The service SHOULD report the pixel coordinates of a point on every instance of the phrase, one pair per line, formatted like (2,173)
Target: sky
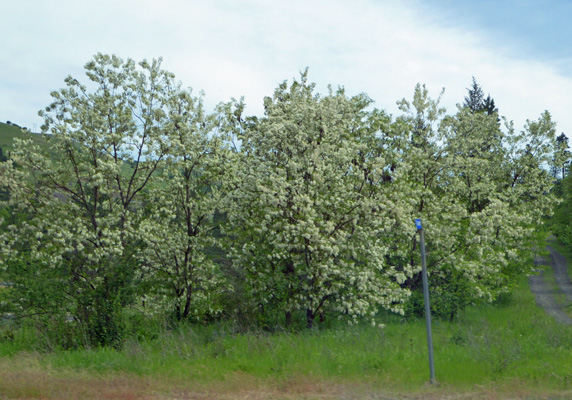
(520,52)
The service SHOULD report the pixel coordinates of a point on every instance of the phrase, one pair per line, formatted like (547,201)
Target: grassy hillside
(9,132)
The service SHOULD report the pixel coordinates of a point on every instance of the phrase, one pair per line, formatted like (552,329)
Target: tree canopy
(142,205)
(312,206)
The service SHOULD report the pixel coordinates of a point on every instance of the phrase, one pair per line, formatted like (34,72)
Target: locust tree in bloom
(83,194)
(503,182)
(480,192)
(312,211)
(178,232)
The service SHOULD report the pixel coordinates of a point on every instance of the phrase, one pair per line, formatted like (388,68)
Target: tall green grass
(511,340)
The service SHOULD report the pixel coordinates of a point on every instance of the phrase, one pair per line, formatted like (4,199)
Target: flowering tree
(178,232)
(83,193)
(311,212)
(481,193)
(320,197)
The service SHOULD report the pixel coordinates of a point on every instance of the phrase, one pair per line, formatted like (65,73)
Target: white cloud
(231,49)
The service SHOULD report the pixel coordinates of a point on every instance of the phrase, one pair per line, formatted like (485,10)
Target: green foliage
(476,98)
(561,159)
(514,342)
(310,212)
(91,246)
(481,193)
(476,102)
(179,231)
(139,207)
(561,221)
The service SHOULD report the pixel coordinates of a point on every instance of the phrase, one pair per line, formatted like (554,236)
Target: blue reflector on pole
(418,223)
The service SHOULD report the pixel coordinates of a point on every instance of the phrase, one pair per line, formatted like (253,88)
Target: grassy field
(511,350)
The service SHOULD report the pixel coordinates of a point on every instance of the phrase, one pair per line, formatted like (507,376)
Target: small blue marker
(418,223)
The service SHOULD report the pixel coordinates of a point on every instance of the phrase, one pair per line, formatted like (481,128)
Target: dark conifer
(475,100)
(2,156)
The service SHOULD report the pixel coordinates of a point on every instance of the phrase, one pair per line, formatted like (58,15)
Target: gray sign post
(427,304)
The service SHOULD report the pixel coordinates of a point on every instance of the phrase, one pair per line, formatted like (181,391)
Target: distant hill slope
(9,132)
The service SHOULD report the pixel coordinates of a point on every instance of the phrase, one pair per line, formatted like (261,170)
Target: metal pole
(427,304)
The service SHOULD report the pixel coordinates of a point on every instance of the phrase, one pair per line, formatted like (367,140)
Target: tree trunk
(309,318)
(187,309)
(288,315)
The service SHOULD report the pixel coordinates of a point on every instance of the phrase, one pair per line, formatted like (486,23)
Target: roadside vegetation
(510,349)
(145,235)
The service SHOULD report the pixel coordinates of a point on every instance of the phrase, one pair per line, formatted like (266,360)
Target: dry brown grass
(24,378)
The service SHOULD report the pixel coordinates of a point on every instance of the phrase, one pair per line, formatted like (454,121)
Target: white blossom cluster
(312,209)
(126,191)
(481,192)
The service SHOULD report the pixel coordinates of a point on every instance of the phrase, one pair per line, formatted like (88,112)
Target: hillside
(9,132)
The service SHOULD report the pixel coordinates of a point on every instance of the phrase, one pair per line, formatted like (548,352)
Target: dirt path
(544,290)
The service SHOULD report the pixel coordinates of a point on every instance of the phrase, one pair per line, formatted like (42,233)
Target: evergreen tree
(561,159)
(489,106)
(475,100)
